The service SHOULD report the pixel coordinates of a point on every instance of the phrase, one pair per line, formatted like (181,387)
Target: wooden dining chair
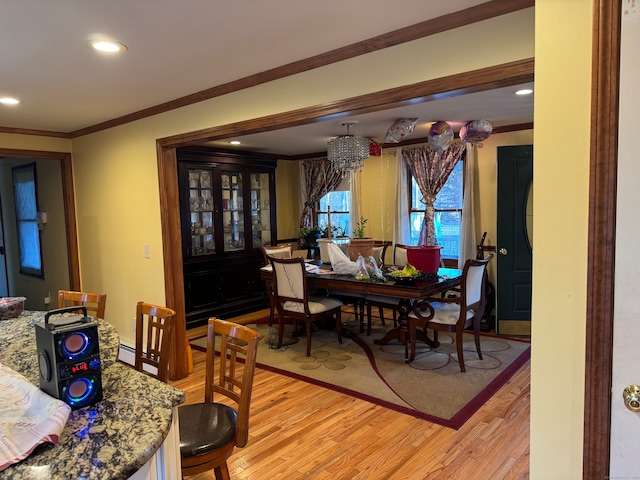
(380,250)
(210,431)
(278,251)
(293,301)
(453,314)
(154,332)
(94,302)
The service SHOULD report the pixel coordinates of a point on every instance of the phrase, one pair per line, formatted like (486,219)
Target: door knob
(631,395)
(503,251)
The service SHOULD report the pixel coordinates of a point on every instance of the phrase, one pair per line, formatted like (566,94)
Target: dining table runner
(28,417)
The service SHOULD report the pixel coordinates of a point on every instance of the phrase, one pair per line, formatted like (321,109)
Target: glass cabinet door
(201,211)
(232,211)
(260,209)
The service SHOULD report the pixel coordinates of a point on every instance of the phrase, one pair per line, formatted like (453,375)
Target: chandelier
(346,152)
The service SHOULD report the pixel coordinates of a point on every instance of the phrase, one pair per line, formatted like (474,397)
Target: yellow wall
(32,142)
(561,188)
(287,195)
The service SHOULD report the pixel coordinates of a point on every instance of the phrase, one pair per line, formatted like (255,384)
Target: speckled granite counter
(110,440)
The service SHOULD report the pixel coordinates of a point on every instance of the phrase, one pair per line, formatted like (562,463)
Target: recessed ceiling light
(9,101)
(107,46)
(524,91)
(235,142)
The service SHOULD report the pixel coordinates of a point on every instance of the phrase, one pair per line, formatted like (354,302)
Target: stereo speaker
(69,357)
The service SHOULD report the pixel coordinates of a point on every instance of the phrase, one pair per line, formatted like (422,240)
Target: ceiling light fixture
(524,91)
(107,46)
(346,152)
(9,101)
(235,142)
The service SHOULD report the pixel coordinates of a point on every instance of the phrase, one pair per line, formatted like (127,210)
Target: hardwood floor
(302,431)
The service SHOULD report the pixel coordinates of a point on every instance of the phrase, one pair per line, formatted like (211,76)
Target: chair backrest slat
(95,303)
(154,332)
(238,346)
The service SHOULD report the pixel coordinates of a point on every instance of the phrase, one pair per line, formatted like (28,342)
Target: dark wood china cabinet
(227,211)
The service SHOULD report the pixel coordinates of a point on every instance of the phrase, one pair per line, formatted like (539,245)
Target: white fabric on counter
(28,417)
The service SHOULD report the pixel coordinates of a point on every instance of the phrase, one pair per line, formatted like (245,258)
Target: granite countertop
(111,439)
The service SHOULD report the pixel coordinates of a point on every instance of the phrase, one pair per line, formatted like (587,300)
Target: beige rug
(432,387)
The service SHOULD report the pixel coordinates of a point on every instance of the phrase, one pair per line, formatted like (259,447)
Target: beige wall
(118,210)
(561,200)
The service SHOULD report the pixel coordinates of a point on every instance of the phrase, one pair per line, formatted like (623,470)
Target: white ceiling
(177,48)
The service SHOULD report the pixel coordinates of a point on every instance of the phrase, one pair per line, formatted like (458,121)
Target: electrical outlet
(147,251)
(47,300)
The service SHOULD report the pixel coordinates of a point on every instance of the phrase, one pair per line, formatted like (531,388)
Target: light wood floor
(301,431)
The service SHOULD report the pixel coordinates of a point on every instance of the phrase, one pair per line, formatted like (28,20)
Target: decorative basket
(425,258)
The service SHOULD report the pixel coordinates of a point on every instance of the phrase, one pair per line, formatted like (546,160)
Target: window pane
(25,201)
(450,197)
(339,223)
(339,201)
(29,246)
(416,226)
(448,212)
(448,232)
(416,196)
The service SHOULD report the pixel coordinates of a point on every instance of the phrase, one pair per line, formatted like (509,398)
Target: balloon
(400,129)
(374,148)
(440,136)
(476,131)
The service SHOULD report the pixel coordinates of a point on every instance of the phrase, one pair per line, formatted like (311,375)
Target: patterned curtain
(431,170)
(320,178)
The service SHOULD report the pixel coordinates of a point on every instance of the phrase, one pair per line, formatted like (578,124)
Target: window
(448,212)
(340,202)
(26,205)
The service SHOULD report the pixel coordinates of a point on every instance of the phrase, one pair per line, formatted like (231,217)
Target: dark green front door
(514,237)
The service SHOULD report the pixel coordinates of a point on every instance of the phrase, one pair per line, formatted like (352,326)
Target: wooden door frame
(68,198)
(489,78)
(602,237)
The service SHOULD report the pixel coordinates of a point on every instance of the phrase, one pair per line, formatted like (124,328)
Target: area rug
(432,387)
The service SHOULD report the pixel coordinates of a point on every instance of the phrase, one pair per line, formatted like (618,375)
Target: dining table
(410,293)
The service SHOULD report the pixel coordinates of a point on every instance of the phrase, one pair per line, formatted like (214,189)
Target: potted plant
(360,245)
(310,236)
(359,230)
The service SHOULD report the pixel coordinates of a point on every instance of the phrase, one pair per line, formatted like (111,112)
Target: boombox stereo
(69,357)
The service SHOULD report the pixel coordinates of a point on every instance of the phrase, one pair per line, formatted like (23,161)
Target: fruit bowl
(404,279)
(402,276)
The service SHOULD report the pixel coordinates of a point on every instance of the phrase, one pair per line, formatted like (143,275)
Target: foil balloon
(400,129)
(476,131)
(374,148)
(440,136)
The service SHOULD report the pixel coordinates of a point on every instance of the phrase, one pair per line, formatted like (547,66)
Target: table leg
(401,332)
